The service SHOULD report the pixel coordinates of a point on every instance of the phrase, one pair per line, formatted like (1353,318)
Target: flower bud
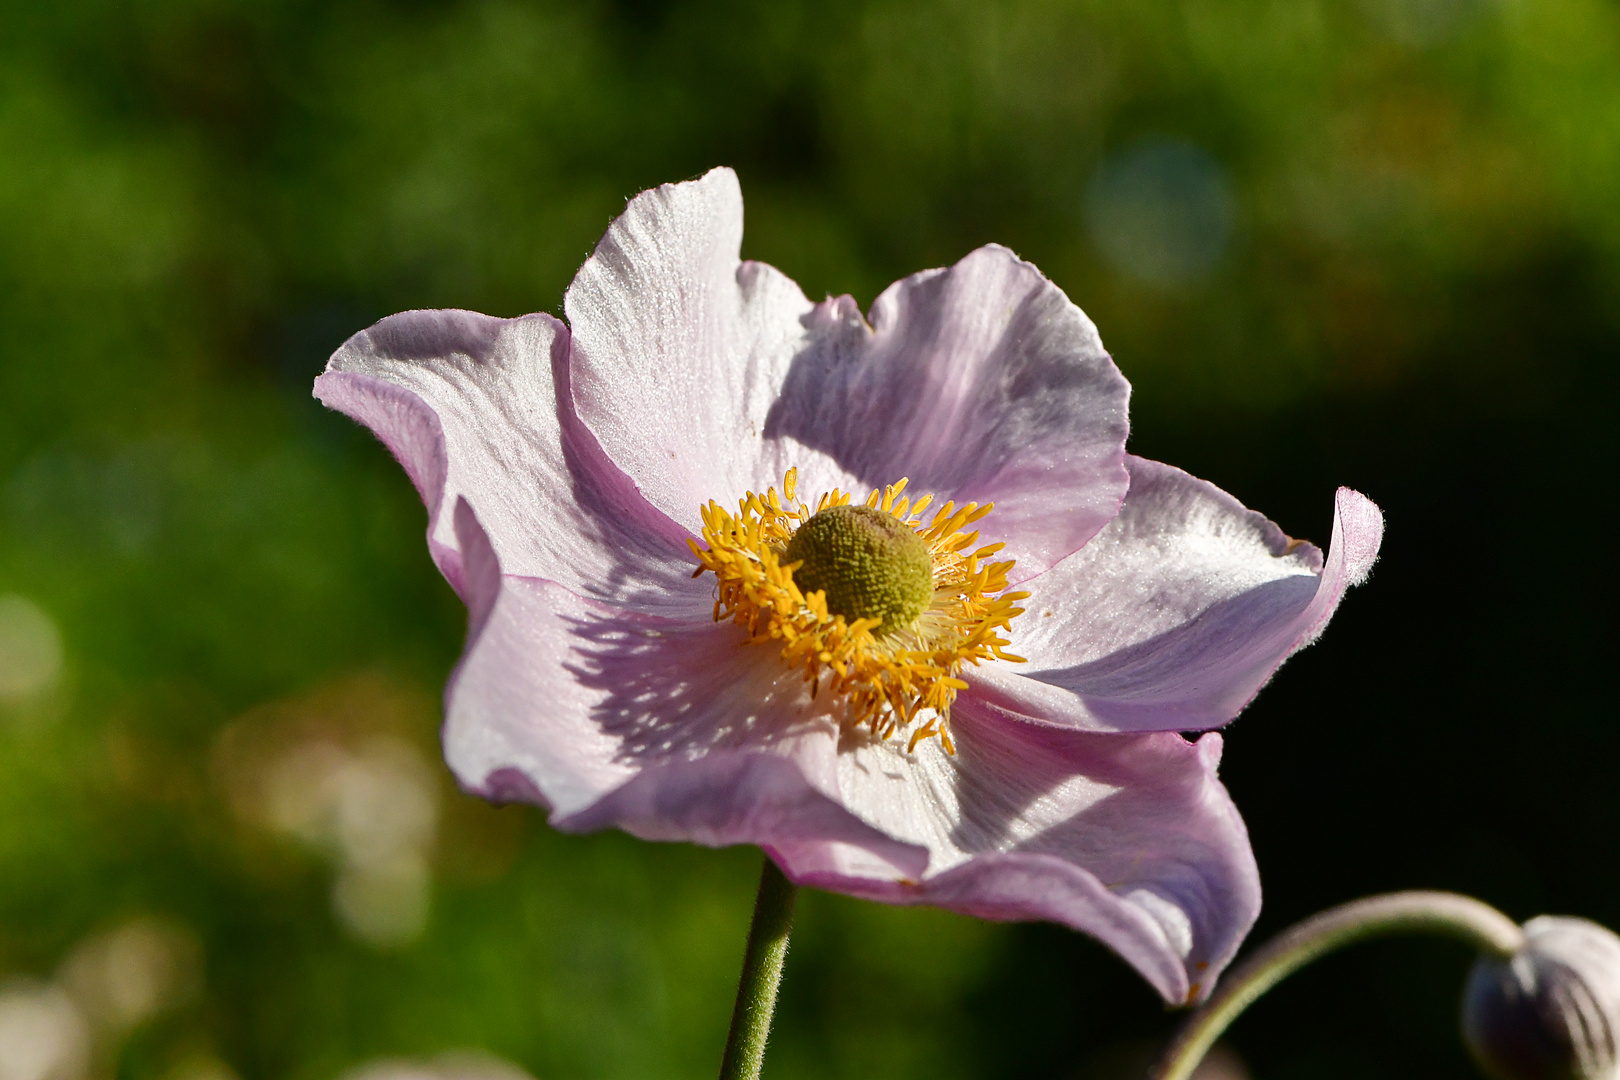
(1551,1011)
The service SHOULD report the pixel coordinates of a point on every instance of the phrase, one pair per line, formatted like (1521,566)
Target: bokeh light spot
(328,772)
(30,649)
(42,1034)
(453,1065)
(133,972)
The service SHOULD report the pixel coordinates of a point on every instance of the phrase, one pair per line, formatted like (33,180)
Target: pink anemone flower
(682,626)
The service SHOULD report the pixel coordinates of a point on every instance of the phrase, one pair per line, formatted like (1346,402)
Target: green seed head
(870,565)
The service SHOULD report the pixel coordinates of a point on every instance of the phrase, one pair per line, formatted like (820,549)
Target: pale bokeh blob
(43,1036)
(30,650)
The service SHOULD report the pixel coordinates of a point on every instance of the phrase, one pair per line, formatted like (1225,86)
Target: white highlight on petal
(1171,919)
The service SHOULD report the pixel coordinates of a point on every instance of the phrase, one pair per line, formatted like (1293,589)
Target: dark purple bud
(1551,1011)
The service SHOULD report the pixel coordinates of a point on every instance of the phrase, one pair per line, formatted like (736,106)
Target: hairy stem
(1445,914)
(761,975)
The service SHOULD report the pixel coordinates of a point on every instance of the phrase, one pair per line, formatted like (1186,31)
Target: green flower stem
(1441,913)
(761,975)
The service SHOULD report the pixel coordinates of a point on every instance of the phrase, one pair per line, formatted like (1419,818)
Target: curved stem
(1446,914)
(761,975)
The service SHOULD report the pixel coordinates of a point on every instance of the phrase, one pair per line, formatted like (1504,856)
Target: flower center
(869,565)
(868,602)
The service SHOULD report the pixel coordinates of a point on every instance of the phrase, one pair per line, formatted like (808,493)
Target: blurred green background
(1374,242)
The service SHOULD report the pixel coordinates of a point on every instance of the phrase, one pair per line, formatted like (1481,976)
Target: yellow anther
(905,679)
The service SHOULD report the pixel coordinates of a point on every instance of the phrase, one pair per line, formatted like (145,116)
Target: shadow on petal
(1129,837)
(724,744)
(685,689)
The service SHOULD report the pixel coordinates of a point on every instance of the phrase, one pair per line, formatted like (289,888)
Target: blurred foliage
(1373,242)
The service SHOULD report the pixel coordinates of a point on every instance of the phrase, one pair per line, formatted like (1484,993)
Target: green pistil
(870,565)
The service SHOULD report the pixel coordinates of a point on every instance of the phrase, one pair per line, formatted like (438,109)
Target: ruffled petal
(671,729)
(1129,838)
(678,730)
(980,382)
(680,349)
(703,377)
(563,472)
(469,404)
(1176,615)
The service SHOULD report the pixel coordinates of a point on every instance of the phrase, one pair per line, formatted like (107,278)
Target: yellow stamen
(907,677)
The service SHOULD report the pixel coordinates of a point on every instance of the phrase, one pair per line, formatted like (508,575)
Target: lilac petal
(680,348)
(1129,838)
(980,382)
(678,729)
(469,404)
(704,376)
(670,729)
(1176,615)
